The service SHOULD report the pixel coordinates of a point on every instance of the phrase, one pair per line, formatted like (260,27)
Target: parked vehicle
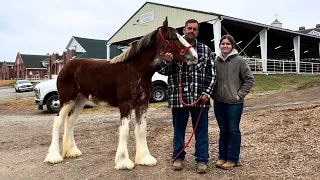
(46,93)
(23,85)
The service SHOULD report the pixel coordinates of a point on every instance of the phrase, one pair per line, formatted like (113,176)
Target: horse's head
(171,41)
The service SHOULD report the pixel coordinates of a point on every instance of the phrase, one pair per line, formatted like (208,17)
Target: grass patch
(25,104)
(7,83)
(281,82)
(158,105)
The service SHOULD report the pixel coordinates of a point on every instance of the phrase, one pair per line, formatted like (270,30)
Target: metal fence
(283,66)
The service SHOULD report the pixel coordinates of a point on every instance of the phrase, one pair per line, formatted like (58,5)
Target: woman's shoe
(228,165)
(219,163)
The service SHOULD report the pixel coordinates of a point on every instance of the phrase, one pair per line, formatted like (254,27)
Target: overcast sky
(42,26)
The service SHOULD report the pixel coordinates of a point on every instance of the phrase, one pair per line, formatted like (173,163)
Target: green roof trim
(33,61)
(95,48)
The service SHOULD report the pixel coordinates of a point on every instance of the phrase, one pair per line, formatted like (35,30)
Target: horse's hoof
(53,158)
(70,153)
(124,164)
(147,160)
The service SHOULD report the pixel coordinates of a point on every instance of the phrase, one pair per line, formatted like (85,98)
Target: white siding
(75,44)
(176,19)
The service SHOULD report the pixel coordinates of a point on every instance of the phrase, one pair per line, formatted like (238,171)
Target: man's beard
(190,40)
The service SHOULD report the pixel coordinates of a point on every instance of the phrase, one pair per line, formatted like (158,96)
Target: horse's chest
(140,87)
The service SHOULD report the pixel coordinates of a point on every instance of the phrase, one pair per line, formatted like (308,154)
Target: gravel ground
(9,94)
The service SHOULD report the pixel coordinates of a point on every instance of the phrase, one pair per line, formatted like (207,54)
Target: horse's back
(89,77)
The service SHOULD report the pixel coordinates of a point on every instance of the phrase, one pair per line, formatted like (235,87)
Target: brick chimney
(51,71)
(302,28)
(318,26)
(64,57)
(54,57)
(73,51)
(70,53)
(57,55)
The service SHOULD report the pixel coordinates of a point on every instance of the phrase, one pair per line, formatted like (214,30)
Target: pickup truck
(46,93)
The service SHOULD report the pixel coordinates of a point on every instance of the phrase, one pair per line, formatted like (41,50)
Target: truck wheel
(159,94)
(53,104)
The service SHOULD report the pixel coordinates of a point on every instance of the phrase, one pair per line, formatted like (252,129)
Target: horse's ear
(165,24)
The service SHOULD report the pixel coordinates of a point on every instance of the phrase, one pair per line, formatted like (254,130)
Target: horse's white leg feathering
(122,156)
(70,148)
(53,155)
(143,156)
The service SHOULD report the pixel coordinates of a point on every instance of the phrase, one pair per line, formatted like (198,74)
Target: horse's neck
(145,62)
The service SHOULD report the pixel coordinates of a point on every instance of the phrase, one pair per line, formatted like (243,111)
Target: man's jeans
(180,118)
(228,117)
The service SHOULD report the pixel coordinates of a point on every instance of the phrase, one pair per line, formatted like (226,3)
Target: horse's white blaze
(70,148)
(53,155)
(122,157)
(186,44)
(142,152)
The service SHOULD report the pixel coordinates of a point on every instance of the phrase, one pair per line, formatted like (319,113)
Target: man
(197,82)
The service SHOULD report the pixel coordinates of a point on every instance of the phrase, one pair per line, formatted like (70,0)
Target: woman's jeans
(228,117)
(180,118)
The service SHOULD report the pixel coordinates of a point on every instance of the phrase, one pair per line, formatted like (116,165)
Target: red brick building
(6,70)
(29,66)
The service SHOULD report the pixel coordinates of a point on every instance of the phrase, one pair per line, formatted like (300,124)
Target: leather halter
(168,44)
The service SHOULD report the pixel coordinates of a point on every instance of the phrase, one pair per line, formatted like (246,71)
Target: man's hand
(168,57)
(204,98)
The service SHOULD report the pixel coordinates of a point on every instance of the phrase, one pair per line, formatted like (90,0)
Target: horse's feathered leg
(53,155)
(143,156)
(122,156)
(70,148)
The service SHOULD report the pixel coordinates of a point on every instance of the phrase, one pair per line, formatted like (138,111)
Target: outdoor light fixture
(139,24)
(277,47)
(258,45)
(292,50)
(306,51)
(211,40)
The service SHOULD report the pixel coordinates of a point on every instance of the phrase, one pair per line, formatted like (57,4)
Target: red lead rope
(180,93)
(196,125)
(182,52)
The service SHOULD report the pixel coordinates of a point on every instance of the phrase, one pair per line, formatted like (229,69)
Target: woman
(234,82)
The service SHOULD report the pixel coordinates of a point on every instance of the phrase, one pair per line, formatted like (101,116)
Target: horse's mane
(134,48)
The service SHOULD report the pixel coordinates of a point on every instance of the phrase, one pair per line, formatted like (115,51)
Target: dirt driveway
(280,134)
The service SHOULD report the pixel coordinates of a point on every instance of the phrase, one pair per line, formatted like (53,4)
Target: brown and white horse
(124,82)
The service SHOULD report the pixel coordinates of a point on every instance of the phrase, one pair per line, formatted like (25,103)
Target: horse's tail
(67,85)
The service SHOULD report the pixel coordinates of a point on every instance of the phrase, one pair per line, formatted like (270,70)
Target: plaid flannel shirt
(196,79)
